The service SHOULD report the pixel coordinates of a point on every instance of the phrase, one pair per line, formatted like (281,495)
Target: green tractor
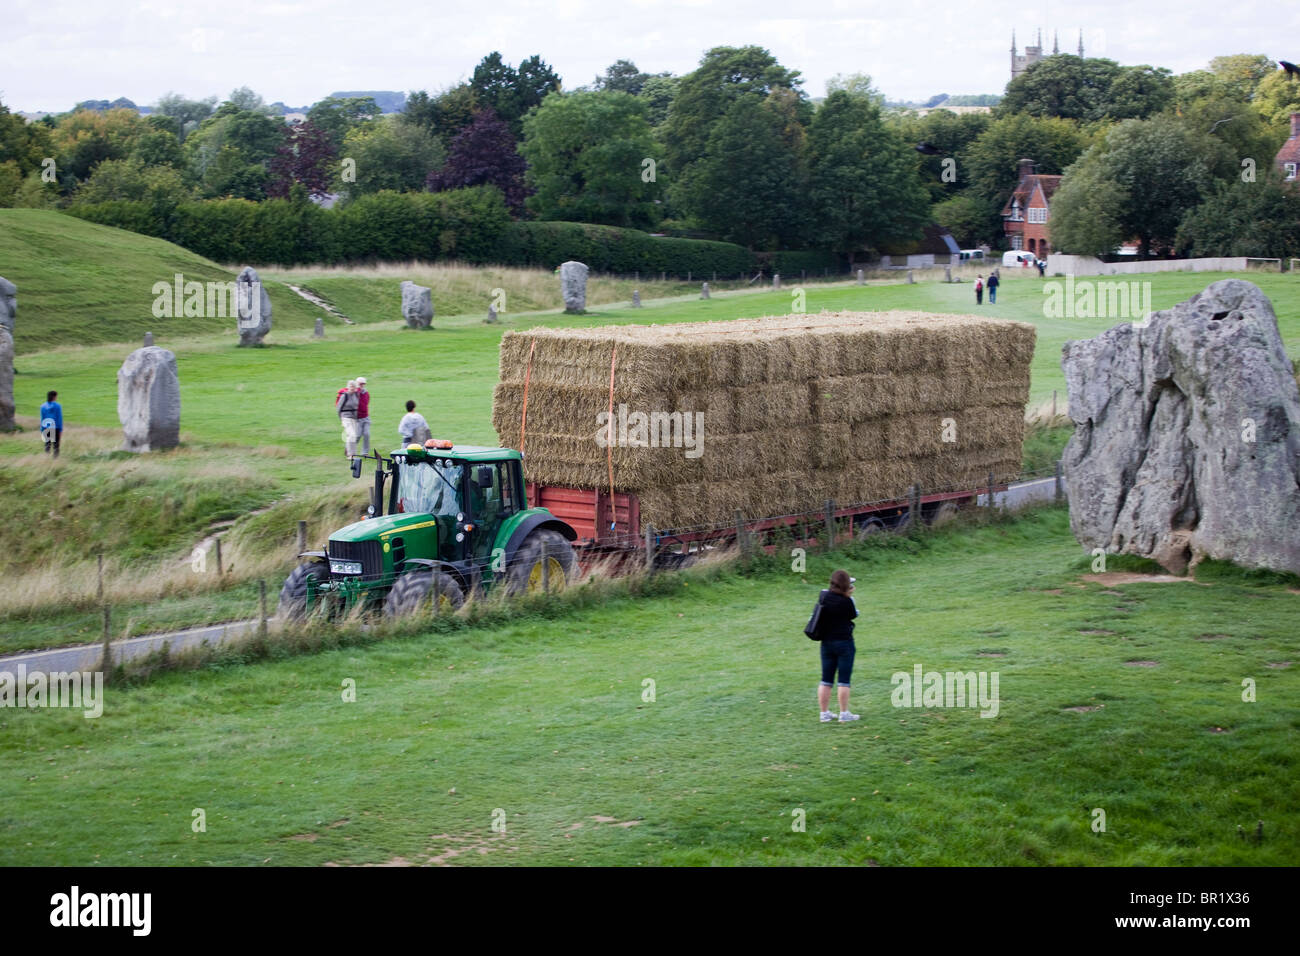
(458,523)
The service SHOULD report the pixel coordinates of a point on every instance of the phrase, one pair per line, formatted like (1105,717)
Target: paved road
(87,657)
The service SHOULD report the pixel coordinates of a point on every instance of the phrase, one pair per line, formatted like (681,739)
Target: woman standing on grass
(835,627)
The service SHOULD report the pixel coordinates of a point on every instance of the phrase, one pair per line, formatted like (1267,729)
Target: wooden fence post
(740,534)
(830,524)
(1060,488)
(218,546)
(990,490)
(649,548)
(106,662)
(302,536)
(261,609)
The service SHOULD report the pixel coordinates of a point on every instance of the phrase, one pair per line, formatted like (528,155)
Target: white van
(1014,258)
(971,255)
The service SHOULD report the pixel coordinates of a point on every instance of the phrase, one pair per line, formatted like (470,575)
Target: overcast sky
(54,53)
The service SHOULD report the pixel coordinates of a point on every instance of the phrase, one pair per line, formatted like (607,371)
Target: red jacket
(363,404)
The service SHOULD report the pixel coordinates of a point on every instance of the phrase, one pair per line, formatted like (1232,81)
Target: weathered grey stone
(573,286)
(910,279)
(149,400)
(862,280)
(319,331)
(636,299)
(776,280)
(947,273)
(492,314)
(6,380)
(8,304)
(417,305)
(704,291)
(1187,435)
(254,307)
(148,339)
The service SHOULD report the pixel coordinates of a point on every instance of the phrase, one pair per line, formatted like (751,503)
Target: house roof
(1024,190)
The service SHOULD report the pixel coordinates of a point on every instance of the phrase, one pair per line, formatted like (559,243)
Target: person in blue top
(52,422)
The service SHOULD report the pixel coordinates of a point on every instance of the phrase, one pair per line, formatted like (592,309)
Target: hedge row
(471,225)
(465,224)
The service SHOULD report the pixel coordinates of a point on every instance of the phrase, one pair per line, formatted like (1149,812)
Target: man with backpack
(979,290)
(346,404)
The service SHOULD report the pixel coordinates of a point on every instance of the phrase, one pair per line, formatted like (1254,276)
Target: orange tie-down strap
(523,421)
(609,444)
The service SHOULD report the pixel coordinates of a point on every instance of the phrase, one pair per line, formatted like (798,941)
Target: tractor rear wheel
(528,573)
(413,591)
(293,595)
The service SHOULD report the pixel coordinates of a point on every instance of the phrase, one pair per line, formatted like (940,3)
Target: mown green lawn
(549,722)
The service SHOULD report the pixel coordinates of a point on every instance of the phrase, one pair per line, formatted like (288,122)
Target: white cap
(361,381)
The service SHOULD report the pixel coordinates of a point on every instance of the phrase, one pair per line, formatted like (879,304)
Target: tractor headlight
(344,567)
(460,535)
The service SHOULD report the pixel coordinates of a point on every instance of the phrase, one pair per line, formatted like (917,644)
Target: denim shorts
(837,656)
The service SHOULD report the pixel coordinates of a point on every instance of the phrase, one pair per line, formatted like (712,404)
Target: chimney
(1295,125)
(1026,166)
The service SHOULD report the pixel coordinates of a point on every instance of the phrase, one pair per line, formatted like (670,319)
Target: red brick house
(1026,212)
(1288,157)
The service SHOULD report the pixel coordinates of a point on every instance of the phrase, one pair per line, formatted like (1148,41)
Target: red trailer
(610,527)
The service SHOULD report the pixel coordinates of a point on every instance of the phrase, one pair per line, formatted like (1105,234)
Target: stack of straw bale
(796,409)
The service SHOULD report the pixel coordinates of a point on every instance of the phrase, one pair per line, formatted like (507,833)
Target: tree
(621,76)
(22,143)
(585,153)
(1259,219)
(304,158)
(187,113)
(965,216)
(745,187)
(245,99)
(116,179)
(229,152)
(858,84)
(1061,85)
(338,117)
(484,154)
(658,92)
(1242,72)
(85,138)
(1139,91)
(390,155)
(509,92)
(725,75)
(1087,209)
(157,148)
(951,134)
(864,188)
(1276,97)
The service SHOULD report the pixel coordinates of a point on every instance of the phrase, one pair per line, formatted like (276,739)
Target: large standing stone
(1187,435)
(492,314)
(8,304)
(319,332)
(148,339)
(6,380)
(254,307)
(417,305)
(149,400)
(861,278)
(573,286)
(636,299)
(704,291)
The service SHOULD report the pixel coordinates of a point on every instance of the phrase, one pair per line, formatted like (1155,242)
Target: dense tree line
(735,150)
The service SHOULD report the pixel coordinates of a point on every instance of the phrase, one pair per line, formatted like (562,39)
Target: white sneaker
(845,717)
(827,716)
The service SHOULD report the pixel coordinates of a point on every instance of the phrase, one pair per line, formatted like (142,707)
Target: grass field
(548,724)
(258,428)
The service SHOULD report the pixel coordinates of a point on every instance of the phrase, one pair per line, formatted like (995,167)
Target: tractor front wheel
(414,590)
(293,595)
(531,571)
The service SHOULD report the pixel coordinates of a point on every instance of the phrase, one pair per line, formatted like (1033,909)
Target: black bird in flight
(929,149)
(1292,70)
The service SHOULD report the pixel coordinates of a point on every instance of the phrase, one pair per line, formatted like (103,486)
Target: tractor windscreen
(429,487)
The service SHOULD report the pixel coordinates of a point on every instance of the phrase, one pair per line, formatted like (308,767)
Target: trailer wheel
(413,590)
(293,595)
(525,575)
(872,526)
(943,514)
